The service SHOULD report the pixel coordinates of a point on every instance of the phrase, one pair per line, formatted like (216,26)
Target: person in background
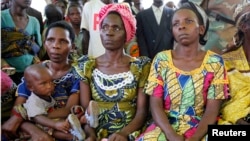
(237,60)
(58,42)
(8,89)
(115,80)
(5,4)
(63,4)
(20,38)
(37,14)
(222,26)
(53,14)
(74,16)
(153,29)
(171,4)
(186,85)
(135,5)
(90,26)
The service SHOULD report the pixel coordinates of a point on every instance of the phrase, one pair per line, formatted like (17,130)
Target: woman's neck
(18,12)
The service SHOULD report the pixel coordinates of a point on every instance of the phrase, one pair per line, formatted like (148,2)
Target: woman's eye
(63,42)
(50,40)
(189,21)
(117,29)
(175,24)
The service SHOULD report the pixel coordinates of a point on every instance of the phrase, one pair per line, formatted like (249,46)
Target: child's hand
(63,126)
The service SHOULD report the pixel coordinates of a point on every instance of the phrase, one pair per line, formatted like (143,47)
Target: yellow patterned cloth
(239,86)
(115,94)
(184,93)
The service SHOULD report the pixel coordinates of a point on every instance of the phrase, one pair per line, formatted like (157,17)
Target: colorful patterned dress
(116,94)
(239,86)
(184,93)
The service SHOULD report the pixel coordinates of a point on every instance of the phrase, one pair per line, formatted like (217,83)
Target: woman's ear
(202,29)
(73,47)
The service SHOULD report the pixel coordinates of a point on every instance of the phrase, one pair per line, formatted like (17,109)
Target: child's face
(74,15)
(186,28)
(43,85)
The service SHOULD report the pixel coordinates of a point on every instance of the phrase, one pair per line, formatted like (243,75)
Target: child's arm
(65,111)
(58,125)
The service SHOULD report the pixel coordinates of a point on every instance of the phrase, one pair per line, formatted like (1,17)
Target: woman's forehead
(184,12)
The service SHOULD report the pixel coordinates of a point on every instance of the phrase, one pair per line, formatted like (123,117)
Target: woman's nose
(182,25)
(56,44)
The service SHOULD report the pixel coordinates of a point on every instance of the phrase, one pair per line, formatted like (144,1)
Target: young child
(40,83)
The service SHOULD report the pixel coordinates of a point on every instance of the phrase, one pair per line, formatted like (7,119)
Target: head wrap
(128,19)
(241,16)
(240,13)
(6,82)
(202,17)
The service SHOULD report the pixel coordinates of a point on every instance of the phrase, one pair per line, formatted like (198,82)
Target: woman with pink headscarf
(115,80)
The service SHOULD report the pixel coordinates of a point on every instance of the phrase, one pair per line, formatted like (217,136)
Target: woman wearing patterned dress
(237,62)
(115,80)
(186,85)
(59,41)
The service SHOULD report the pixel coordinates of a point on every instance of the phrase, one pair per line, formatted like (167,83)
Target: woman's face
(186,28)
(113,35)
(58,44)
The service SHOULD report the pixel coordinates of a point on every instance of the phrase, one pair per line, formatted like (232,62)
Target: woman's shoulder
(165,55)
(212,57)
(233,53)
(84,62)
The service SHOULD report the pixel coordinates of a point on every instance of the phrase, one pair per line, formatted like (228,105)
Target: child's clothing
(37,106)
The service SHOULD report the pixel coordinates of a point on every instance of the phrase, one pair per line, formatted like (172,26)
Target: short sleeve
(155,81)
(146,62)
(22,89)
(219,85)
(84,68)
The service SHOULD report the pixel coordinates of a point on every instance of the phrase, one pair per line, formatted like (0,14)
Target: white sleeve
(85,17)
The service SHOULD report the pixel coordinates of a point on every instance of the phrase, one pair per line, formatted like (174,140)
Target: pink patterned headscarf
(128,19)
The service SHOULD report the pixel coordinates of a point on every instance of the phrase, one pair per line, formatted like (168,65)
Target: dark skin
(114,61)
(74,15)
(86,35)
(9,128)
(19,14)
(186,30)
(158,3)
(58,45)
(39,80)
